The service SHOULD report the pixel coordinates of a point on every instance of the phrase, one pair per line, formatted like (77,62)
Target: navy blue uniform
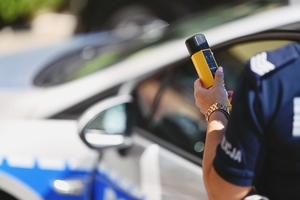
(261,145)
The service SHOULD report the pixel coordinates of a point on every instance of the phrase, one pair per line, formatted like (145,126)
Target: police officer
(260,145)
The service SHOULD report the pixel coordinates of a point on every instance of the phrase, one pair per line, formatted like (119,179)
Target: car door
(164,161)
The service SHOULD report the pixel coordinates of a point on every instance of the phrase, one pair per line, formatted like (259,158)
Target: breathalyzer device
(203,60)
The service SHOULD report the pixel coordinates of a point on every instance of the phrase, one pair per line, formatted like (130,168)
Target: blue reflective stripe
(41,180)
(109,184)
(105,183)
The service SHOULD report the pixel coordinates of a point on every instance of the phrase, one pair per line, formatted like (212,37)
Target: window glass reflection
(176,118)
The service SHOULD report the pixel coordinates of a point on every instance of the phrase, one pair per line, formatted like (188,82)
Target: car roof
(151,59)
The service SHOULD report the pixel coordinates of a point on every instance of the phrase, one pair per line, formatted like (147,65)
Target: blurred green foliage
(14,11)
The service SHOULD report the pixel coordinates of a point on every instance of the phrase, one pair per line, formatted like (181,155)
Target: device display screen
(210,61)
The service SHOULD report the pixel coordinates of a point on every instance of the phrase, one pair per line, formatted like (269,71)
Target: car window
(166,102)
(176,118)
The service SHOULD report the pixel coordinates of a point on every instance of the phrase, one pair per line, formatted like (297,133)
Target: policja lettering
(232,152)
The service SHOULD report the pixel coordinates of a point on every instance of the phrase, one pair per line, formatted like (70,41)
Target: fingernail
(220,69)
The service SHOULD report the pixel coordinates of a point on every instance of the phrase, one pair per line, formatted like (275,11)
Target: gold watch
(217,107)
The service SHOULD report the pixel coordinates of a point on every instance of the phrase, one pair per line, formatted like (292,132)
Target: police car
(144,137)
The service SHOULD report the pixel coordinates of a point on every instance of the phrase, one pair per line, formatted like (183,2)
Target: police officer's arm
(216,186)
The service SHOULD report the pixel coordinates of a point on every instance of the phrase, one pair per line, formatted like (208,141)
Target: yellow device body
(201,60)
(203,69)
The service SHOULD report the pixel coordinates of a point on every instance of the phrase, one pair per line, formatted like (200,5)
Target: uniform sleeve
(239,157)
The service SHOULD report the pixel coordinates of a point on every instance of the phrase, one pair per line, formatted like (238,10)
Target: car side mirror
(108,123)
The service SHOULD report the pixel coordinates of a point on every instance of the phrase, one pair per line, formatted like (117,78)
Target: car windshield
(89,61)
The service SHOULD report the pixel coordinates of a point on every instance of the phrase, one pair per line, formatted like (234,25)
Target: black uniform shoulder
(264,62)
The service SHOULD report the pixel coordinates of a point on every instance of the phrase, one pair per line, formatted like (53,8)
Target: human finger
(219,77)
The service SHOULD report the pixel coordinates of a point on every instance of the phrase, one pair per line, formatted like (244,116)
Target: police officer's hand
(216,94)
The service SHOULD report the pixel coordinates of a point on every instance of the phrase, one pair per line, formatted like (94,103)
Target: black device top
(196,43)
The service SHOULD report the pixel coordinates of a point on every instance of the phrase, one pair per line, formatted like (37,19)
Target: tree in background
(19,12)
